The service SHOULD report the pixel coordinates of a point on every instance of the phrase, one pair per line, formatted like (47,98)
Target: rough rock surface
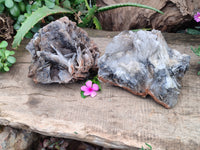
(142,63)
(13,139)
(62,53)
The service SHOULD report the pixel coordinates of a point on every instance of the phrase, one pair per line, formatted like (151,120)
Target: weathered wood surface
(114,118)
(177,14)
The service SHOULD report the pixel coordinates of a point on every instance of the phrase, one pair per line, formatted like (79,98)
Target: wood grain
(177,13)
(114,118)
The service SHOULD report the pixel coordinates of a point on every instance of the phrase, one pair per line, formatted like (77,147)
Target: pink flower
(197,17)
(90,89)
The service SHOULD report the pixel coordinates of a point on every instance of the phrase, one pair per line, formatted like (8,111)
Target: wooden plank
(114,118)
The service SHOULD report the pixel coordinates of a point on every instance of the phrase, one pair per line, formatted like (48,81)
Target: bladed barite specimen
(142,63)
(62,53)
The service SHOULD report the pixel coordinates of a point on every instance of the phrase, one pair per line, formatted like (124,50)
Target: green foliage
(6,60)
(92,11)
(96,81)
(28,14)
(193,31)
(82,94)
(33,19)
(127,4)
(97,23)
(150,148)
(197,52)
(19,10)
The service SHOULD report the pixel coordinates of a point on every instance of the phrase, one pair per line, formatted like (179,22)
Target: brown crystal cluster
(62,53)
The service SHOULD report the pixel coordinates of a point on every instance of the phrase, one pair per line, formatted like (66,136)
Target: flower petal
(95,87)
(84,88)
(86,93)
(93,94)
(89,83)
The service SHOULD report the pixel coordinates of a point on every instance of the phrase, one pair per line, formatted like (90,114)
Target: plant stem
(87,5)
(127,4)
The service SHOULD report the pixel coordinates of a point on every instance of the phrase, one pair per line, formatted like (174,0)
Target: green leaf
(21,18)
(66,4)
(75,132)
(29,35)
(1,8)
(196,50)
(22,6)
(28,9)
(77,2)
(149,146)
(15,11)
(9,64)
(127,4)
(82,94)
(1,1)
(96,81)
(87,5)
(2,54)
(34,7)
(5,67)
(7,53)
(50,18)
(192,31)
(12,53)
(16,26)
(36,28)
(1,65)
(49,3)
(198,73)
(18,1)
(27,14)
(38,2)
(197,27)
(3,44)
(11,59)
(97,23)
(88,17)
(57,2)
(9,3)
(142,148)
(33,19)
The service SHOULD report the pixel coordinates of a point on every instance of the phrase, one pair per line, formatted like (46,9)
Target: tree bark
(176,13)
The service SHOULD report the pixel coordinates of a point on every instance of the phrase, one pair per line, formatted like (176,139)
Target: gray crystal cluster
(62,53)
(142,63)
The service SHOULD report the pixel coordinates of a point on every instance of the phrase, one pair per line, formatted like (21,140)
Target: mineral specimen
(62,53)
(142,63)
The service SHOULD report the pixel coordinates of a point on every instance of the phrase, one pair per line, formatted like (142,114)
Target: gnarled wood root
(6,28)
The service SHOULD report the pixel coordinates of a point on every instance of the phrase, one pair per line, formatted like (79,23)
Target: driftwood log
(114,118)
(62,53)
(177,14)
